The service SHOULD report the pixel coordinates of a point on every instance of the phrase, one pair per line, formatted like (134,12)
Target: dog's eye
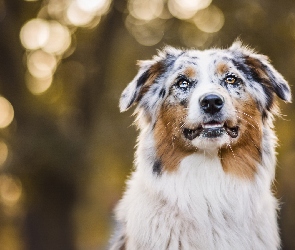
(183,84)
(231,79)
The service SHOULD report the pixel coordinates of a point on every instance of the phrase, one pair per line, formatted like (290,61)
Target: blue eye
(183,84)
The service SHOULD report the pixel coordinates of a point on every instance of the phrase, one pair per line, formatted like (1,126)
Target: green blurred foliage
(65,155)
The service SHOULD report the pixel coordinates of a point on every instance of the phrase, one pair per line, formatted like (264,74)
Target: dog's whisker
(245,114)
(252,125)
(182,125)
(230,147)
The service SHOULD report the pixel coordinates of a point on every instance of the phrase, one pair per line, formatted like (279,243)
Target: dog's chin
(212,133)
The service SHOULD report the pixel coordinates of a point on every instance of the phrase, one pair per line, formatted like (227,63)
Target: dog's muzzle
(211,104)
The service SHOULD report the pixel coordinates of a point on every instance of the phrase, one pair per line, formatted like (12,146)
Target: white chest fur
(198,207)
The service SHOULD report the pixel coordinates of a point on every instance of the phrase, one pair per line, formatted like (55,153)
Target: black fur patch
(143,78)
(157,167)
(162,93)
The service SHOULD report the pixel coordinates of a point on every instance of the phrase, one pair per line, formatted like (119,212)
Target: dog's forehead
(203,61)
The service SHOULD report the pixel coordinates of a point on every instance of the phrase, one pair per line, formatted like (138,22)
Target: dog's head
(207,100)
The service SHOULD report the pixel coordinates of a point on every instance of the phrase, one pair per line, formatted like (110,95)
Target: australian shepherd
(205,158)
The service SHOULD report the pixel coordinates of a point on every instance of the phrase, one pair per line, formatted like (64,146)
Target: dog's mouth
(211,129)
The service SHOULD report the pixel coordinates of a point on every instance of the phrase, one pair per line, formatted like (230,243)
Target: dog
(205,158)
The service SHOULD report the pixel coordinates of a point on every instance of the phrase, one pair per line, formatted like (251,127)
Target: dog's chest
(196,208)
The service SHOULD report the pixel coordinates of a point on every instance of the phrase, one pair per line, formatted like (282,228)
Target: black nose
(211,103)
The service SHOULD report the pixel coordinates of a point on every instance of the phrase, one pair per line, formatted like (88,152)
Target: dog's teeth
(213,125)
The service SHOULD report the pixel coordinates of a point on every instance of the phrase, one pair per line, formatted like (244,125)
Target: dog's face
(207,100)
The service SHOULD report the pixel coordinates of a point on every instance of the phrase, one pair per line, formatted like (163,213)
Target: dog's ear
(148,72)
(260,69)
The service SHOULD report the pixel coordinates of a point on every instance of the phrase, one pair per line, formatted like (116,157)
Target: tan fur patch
(170,146)
(190,72)
(242,157)
(222,68)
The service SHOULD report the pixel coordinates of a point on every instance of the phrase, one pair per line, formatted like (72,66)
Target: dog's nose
(211,103)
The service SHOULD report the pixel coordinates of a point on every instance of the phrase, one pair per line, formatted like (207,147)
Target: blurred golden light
(209,20)
(38,86)
(100,6)
(145,33)
(10,189)
(34,33)
(3,152)
(41,64)
(145,9)
(6,112)
(79,17)
(186,9)
(59,38)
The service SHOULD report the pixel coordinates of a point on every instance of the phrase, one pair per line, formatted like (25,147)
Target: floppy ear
(149,72)
(140,84)
(262,71)
(270,76)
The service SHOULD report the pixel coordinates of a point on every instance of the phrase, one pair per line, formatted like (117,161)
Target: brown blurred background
(65,150)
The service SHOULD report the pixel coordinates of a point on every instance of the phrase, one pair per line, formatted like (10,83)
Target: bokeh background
(65,150)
